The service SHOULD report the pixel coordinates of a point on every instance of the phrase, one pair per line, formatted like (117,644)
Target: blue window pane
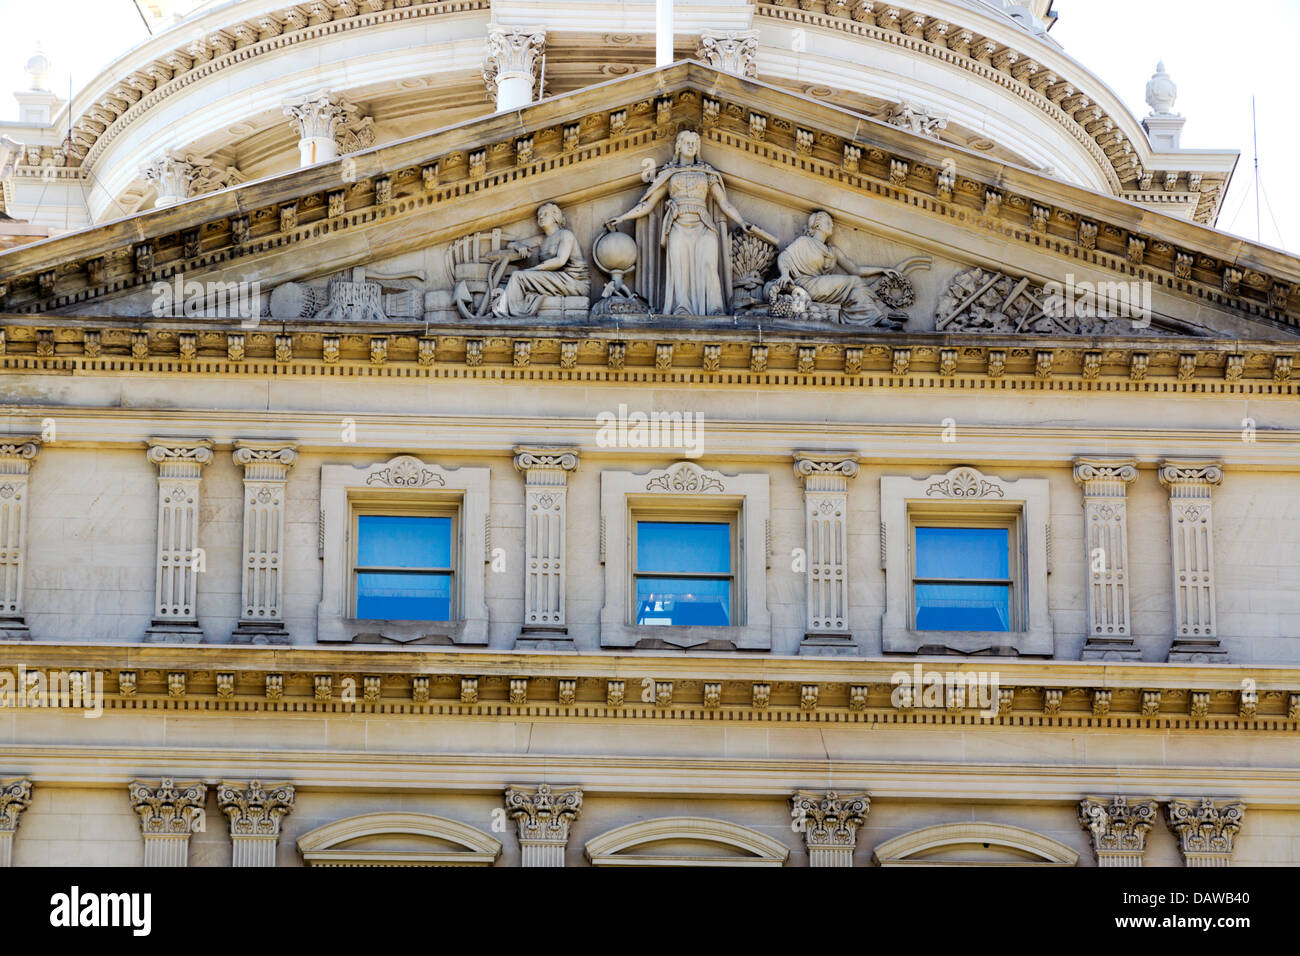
(402,541)
(962,553)
(683,601)
(403,597)
(683,547)
(963,607)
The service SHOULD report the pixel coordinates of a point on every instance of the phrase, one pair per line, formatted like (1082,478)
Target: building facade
(454,438)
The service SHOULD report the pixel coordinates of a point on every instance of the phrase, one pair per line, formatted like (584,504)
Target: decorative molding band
(842,362)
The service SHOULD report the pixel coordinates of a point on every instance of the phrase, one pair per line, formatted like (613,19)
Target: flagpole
(663,32)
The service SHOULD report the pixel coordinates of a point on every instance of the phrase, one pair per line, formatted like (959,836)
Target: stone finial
(1206,831)
(37,69)
(1162,92)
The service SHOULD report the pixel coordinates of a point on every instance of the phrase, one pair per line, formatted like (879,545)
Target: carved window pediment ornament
(686,478)
(405,471)
(966,483)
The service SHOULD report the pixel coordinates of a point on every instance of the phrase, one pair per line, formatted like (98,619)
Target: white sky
(1218,58)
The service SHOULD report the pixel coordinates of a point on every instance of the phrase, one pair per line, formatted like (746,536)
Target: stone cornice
(230,678)
(408,178)
(122,102)
(1017,71)
(841,358)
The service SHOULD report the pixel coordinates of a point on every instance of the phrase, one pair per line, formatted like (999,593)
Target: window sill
(354,631)
(1032,643)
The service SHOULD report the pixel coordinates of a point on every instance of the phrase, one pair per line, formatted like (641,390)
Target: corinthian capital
(731,51)
(167,808)
(830,819)
(1206,830)
(177,176)
(326,115)
(1119,828)
(512,51)
(255,810)
(542,814)
(15,795)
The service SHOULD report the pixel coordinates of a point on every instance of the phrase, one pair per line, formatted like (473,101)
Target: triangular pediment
(429,231)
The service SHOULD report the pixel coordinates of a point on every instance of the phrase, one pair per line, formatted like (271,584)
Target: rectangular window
(684,572)
(404,566)
(963,577)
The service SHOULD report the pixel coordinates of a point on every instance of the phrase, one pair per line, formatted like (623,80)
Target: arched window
(973,844)
(685,841)
(398,839)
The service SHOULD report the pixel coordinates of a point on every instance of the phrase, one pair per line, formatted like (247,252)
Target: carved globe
(615,252)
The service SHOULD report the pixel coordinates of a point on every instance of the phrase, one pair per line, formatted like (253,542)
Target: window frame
(686,513)
(400,483)
(970,497)
(386,506)
(938,516)
(685,489)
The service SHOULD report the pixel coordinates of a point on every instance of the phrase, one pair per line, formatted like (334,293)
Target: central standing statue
(696,261)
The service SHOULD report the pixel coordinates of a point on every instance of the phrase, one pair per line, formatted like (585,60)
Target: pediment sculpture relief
(352,296)
(980,300)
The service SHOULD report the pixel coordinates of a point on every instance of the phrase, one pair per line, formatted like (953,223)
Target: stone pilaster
(1191,540)
(1207,831)
(16,457)
(510,69)
(255,813)
(731,51)
(327,125)
(546,473)
(179,560)
(1105,484)
(266,471)
(169,813)
(830,823)
(826,539)
(1119,828)
(15,796)
(543,815)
